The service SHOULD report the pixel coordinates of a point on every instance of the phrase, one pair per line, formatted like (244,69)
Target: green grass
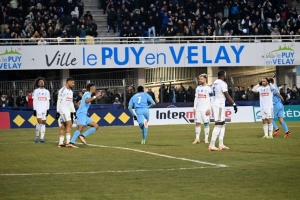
(257,168)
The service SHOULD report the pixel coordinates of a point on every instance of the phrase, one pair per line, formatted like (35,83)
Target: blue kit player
(140,103)
(278,111)
(82,119)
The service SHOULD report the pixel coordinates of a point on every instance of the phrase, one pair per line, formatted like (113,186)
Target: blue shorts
(279,110)
(141,114)
(83,119)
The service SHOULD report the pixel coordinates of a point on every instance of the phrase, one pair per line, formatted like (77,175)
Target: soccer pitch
(116,166)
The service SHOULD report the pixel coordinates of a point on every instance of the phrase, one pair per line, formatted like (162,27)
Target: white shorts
(41,115)
(219,114)
(267,113)
(201,117)
(64,117)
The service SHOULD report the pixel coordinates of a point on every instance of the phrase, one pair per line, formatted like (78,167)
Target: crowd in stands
(167,93)
(35,21)
(201,18)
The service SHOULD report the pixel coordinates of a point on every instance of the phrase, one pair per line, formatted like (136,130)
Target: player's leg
(140,119)
(38,127)
(62,134)
(205,119)
(81,123)
(265,123)
(217,129)
(68,130)
(276,114)
(198,127)
(269,120)
(282,122)
(43,128)
(146,119)
(94,127)
(222,129)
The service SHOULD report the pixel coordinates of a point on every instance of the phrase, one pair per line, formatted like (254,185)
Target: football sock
(68,137)
(274,125)
(270,126)
(284,126)
(145,132)
(142,127)
(89,131)
(75,136)
(222,134)
(265,127)
(198,130)
(43,130)
(61,139)
(215,134)
(206,131)
(37,130)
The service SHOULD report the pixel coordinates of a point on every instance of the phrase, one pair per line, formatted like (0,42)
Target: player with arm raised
(202,107)
(220,95)
(65,111)
(278,110)
(140,103)
(41,104)
(82,119)
(266,89)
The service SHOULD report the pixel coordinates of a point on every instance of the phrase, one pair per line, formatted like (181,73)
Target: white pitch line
(110,171)
(160,155)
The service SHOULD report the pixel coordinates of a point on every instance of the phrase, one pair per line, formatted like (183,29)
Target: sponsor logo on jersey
(201,95)
(42,98)
(264,94)
(69,99)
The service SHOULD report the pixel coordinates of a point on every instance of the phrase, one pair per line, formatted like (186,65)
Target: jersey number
(139,99)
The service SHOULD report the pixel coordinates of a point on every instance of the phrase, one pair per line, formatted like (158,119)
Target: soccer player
(41,98)
(220,95)
(65,110)
(140,103)
(82,119)
(202,107)
(278,110)
(266,89)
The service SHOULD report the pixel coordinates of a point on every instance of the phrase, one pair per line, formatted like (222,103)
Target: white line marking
(161,155)
(110,171)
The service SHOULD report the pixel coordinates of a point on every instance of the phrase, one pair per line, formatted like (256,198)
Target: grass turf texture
(257,168)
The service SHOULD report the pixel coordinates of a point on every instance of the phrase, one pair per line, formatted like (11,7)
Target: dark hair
(271,80)
(268,81)
(221,73)
(69,79)
(140,89)
(36,82)
(88,86)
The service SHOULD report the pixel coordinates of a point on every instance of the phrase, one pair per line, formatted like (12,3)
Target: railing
(105,75)
(154,40)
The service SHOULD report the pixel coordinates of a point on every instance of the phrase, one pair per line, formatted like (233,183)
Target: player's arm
(58,104)
(255,88)
(228,97)
(272,87)
(130,106)
(90,99)
(279,95)
(48,103)
(152,103)
(34,103)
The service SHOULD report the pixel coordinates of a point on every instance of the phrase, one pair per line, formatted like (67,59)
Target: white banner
(164,116)
(148,55)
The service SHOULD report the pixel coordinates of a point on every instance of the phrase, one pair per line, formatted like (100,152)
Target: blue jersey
(83,108)
(140,100)
(276,99)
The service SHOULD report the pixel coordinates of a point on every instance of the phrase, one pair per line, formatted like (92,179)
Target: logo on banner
(282,56)
(11,59)
(257,114)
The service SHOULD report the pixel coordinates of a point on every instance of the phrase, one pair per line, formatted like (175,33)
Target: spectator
(82,31)
(79,97)
(117,101)
(129,94)
(84,90)
(21,100)
(42,41)
(295,93)
(29,99)
(117,94)
(250,94)
(111,18)
(283,94)
(181,96)
(102,98)
(151,94)
(190,95)
(4,101)
(163,94)
(11,100)
(172,94)
(237,94)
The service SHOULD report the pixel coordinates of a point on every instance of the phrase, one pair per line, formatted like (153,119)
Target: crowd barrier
(158,116)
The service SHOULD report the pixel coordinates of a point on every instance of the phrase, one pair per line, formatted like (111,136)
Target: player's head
(40,82)
(222,74)
(271,80)
(70,82)
(91,88)
(140,89)
(264,81)
(202,79)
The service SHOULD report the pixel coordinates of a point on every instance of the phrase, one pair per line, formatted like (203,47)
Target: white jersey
(265,96)
(219,87)
(203,95)
(41,98)
(65,101)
